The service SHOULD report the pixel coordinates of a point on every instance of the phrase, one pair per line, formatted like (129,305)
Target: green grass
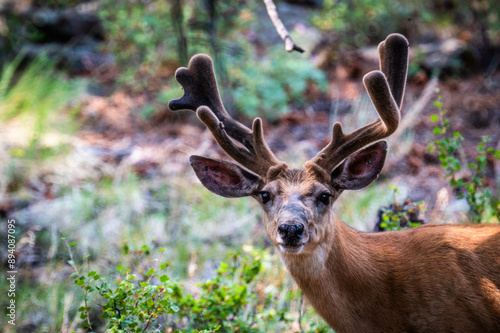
(35,118)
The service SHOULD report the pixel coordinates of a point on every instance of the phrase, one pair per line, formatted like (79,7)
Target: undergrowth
(145,299)
(400,215)
(467,175)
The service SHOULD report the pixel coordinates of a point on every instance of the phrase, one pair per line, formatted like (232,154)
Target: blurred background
(94,167)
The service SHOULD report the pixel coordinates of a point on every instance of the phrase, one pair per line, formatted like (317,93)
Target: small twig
(301,312)
(77,271)
(156,267)
(280,27)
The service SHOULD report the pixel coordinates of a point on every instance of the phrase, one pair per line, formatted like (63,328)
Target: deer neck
(338,273)
(344,252)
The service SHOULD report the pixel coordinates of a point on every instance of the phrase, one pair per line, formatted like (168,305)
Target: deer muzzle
(291,231)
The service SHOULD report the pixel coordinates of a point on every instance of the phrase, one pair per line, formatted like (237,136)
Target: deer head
(296,202)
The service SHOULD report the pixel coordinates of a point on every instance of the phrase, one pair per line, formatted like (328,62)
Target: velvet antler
(386,89)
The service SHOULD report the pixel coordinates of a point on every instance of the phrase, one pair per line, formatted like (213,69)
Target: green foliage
(361,22)
(467,177)
(133,306)
(398,216)
(151,301)
(264,87)
(223,303)
(144,35)
(139,35)
(34,110)
(62,3)
(36,96)
(483,16)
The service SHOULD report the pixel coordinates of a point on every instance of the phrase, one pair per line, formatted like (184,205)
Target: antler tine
(201,95)
(393,54)
(200,88)
(386,89)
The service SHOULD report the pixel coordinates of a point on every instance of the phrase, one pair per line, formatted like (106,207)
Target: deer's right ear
(224,178)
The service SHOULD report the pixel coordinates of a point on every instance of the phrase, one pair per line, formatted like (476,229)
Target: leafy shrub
(139,38)
(266,87)
(471,184)
(223,301)
(145,35)
(361,22)
(365,22)
(398,216)
(152,302)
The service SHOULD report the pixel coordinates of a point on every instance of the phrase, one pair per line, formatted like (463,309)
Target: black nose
(291,233)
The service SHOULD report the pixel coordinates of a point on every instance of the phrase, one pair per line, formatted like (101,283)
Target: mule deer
(433,278)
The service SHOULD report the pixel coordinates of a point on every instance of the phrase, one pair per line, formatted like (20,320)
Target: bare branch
(280,27)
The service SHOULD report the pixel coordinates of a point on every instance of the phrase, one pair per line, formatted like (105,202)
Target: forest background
(103,221)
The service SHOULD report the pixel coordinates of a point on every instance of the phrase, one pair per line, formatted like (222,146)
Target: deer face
(297,203)
(296,210)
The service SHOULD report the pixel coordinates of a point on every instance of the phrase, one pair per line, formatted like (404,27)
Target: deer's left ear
(361,168)
(224,178)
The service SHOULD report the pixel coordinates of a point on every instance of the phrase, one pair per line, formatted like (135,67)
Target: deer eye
(265,197)
(324,198)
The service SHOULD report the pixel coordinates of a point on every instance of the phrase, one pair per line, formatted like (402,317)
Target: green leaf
(164,278)
(150,271)
(434,117)
(150,303)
